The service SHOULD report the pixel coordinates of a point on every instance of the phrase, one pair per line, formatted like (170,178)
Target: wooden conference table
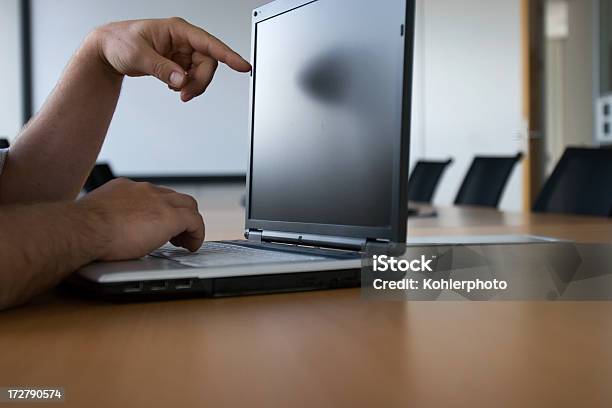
(327,348)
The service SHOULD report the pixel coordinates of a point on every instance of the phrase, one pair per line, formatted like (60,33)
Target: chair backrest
(485,181)
(581,183)
(100,174)
(424,179)
(4,143)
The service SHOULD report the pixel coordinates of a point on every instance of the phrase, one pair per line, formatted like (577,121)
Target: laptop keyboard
(226,254)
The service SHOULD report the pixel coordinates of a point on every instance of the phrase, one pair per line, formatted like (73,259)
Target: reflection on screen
(327,113)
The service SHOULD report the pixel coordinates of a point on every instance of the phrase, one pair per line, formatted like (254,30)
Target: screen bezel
(396,232)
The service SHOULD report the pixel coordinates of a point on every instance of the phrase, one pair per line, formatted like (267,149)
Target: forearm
(40,244)
(54,154)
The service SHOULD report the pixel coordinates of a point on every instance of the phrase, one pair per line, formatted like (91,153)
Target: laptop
(329,125)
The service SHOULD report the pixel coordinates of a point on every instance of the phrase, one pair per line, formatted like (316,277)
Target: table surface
(324,348)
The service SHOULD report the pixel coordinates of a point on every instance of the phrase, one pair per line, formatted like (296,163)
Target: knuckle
(120,181)
(107,28)
(140,25)
(146,186)
(159,68)
(178,20)
(192,201)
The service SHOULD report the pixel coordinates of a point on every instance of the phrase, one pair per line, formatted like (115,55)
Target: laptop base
(217,287)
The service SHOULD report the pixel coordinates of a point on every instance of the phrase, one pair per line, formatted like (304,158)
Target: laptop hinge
(384,247)
(316,240)
(253,235)
(377,246)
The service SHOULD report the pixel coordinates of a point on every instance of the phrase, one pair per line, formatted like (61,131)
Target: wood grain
(327,348)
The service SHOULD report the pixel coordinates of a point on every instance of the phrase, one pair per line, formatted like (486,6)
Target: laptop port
(156,285)
(132,287)
(180,284)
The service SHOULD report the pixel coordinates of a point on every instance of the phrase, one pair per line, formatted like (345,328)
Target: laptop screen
(327,92)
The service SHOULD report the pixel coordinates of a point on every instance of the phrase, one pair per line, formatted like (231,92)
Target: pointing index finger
(210,45)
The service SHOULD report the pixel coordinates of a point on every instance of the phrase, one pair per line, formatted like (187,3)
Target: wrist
(94,228)
(94,47)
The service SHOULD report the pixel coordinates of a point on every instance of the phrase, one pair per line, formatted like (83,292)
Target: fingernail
(176,78)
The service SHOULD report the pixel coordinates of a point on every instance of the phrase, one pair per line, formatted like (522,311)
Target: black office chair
(581,183)
(100,174)
(424,179)
(485,181)
(4,143)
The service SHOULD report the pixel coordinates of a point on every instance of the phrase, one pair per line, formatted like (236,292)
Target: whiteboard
(11,101)
(153,132)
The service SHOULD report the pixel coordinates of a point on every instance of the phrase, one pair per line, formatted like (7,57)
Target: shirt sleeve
(3,154)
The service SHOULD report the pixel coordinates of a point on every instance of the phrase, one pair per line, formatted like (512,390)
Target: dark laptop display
(327,120)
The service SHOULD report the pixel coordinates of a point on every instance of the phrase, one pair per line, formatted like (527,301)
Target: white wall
(152,131)
(468,88)
(10,69)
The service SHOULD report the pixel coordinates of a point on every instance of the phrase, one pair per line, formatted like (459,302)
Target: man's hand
(77,114)
(41,244)
(136,218)
(180,54)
